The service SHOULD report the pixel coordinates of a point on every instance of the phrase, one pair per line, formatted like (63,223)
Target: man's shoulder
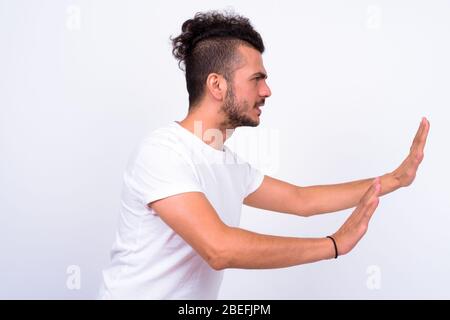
(162,136)
(165,143)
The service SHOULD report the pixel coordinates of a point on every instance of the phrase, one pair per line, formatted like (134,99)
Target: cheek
(247,105)
(249,93)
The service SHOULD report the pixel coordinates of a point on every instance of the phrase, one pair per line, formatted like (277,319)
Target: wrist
(335,248)
(389,182)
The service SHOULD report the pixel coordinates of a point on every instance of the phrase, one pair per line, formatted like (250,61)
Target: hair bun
(211,24)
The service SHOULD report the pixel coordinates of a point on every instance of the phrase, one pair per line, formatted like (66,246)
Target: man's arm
(280,196)
(195,220)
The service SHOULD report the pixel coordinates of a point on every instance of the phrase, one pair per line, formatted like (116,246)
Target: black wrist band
(335,246)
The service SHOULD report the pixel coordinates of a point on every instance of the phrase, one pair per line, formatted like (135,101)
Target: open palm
(406,172)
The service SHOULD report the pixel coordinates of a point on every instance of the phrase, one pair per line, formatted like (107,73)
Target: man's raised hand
(406,172)
(356,225)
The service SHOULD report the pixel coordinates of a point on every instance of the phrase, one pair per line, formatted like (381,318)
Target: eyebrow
(259,74)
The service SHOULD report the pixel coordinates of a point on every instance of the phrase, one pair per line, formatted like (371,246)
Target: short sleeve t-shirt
(149,260)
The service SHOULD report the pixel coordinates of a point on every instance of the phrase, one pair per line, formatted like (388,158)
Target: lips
(258,105)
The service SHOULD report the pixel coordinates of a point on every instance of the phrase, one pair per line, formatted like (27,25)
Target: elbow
(218,256)
(306,213)
(305,207)
(218,263)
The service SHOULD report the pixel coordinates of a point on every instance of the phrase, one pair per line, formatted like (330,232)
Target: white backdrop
(82,81)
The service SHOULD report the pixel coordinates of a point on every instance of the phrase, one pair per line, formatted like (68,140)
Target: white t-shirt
(149,260)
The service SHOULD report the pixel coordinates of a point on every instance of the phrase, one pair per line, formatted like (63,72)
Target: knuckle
(419,156)
(363,228)
(376,201)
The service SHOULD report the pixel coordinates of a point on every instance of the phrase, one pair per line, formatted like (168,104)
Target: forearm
(336,197)
(249,250)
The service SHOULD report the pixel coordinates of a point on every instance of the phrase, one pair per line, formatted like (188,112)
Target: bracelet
(335,246)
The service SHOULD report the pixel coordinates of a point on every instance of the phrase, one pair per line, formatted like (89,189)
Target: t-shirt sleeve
(160,171)
(254,179)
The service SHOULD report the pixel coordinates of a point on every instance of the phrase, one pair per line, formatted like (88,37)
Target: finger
(370,210)
(419,130)
(418,135)
(421,138)
(424,135)
(418,149)
(365,213)
(365,207)
(372,191)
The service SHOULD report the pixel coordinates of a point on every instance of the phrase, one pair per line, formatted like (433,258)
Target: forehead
(251,61)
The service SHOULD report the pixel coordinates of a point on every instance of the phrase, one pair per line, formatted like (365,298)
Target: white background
(82,81)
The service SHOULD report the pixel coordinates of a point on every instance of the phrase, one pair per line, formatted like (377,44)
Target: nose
(265,90)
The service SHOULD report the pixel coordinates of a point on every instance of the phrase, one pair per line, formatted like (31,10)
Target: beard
(236,112)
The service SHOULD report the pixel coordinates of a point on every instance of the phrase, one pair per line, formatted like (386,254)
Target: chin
(253,123)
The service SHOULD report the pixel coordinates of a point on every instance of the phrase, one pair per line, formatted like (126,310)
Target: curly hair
(208,44)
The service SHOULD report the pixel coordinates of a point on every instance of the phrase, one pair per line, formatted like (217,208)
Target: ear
(216,86)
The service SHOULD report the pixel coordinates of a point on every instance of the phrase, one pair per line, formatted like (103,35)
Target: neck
(208,126)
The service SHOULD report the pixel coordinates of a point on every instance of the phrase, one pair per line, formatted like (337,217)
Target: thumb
(373,191)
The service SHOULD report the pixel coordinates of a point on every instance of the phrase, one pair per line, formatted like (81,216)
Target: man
(184,189)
